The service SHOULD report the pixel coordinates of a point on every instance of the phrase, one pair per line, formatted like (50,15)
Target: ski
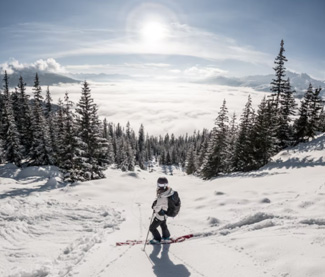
(172,240)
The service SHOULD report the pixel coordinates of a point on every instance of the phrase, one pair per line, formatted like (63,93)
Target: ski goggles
(162,185)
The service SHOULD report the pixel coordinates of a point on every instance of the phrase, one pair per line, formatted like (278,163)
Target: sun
(153,32)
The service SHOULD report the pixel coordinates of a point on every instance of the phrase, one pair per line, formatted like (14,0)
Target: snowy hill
(46,78)
(268,222)
(299,82)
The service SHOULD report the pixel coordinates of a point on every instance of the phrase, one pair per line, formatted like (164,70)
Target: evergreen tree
(264,136)
(191,166)
(213,163)
(279,85)
(243,157)
(13,150)
(141,148)
(24,117)
(307,123)
(232,138)
(93,144)
(287,109)
(41,152)
(53,130)
(48,103)
(69,156)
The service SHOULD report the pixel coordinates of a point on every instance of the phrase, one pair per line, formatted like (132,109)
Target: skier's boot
(153,241)
(166,240)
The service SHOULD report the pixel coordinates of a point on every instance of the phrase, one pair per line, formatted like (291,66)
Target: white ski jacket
(162,203)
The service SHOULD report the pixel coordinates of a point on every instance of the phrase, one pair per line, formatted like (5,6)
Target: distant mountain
(101,77)
(46,78)
(299,82)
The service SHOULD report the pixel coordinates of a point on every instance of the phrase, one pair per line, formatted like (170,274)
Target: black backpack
(174,205)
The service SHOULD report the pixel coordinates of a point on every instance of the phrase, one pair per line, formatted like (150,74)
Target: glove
(161,212)
(153,204)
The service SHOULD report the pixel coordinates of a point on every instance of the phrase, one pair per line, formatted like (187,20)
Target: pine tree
(69,152)
(287,109)
(191,166)
(213,163)
(52,126)
(48,103)
(13,150)
(315,111)
(232,138)
(307,123)
(264,136)
(141,148)
(60,127)
(243,157)
(41,152)
(279,85)
(24,123)
(93,144)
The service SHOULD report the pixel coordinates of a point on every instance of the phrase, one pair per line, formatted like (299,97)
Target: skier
(160,206)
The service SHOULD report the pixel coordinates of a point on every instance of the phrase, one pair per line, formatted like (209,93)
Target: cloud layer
(174,108)
(48,65)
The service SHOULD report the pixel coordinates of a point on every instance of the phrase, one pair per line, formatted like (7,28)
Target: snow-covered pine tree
(48,103)
(109,151)
(286,111)
(279,85)
(321,123)
(264,136)
(243,156)
(60,127)
(53,127)
(232,138)
(213,163)
(93,143)
(306,125)
(68,150)
(141,149)
(2,154)
(202,149)
(13,150)
(41,152)
(315,110)
(190,165)
(130,156)
(24,117)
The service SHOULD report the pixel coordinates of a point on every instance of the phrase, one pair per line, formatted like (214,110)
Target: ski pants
(153,229)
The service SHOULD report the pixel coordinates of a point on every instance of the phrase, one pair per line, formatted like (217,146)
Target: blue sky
(163,39)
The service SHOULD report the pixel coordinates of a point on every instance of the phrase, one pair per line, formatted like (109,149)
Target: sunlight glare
(154,32)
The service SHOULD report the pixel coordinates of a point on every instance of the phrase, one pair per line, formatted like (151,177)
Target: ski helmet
(162,182)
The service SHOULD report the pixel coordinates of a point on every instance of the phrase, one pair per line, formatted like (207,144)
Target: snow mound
(311,153)
(39,171)
(320,222)
(250,220)
(9,171)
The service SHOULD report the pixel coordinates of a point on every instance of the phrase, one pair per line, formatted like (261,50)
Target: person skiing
(160,207)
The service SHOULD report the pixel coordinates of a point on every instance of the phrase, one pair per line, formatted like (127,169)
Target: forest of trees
(71,136)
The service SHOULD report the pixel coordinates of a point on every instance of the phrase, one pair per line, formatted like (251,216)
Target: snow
(268,222)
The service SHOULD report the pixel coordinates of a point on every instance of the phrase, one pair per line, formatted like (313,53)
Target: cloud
(10,66)
(48,65)
(204,72)
(184,40)
(174,108)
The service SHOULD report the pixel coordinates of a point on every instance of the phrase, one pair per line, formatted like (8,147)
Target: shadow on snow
(163,266)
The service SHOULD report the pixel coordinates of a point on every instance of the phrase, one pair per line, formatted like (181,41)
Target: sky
(163,40)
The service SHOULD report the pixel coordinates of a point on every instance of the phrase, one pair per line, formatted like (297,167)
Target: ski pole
(145,242)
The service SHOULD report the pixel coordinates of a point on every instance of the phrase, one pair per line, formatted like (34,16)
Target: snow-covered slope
(265,223)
